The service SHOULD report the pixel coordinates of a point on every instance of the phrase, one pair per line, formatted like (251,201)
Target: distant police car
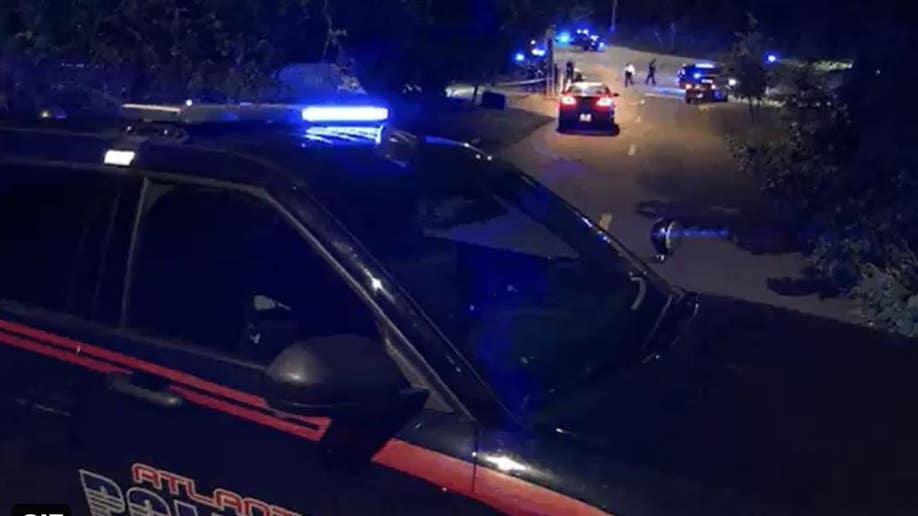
(291,310)
(704,82)
(588,42)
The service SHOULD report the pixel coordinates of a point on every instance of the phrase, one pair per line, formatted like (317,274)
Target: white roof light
(345,114)
(153,107)
(504,463)
(121,158)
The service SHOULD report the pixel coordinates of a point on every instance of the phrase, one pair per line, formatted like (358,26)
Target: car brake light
(604,102)
(567,100)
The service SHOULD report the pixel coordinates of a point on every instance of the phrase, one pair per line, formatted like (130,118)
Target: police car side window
(223,270)
(53,225)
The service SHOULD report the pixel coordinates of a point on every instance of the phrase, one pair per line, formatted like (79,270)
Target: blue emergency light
(564,37)
(345,114)
(519,57)
(538,52)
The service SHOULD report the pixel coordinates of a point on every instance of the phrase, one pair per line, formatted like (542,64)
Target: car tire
(563,127)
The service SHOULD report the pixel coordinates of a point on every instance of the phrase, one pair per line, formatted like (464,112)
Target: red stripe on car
(499,490)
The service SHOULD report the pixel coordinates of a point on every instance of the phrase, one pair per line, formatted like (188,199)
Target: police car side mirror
(339,375)
(665,236)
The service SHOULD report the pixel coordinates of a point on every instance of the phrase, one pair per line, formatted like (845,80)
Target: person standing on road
(651,72)
(629,74)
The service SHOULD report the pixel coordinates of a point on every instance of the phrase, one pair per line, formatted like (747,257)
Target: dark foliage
(848,166)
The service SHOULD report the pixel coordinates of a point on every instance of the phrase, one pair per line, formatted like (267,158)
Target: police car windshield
(705,71)
(524,286)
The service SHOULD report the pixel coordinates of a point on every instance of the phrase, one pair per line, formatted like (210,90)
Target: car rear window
(590,90)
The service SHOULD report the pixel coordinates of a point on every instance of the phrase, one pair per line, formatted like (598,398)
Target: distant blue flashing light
(519,57)
(564,37)
(602,44)
(704,65)
(696,75)
(771,57)
(345,114)
(583,31)
(538,52)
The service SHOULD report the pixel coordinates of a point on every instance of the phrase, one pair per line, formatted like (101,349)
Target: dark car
(704,82)
(586,104)
(696,73)
(707,90)
(588,42)
(248,318)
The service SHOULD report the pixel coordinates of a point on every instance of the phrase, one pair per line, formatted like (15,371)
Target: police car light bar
(345,114)
(121,158)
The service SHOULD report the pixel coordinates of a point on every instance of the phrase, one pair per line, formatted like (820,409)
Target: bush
(846,168)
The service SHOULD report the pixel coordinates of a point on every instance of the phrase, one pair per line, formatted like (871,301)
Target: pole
(550,68)
(614,14)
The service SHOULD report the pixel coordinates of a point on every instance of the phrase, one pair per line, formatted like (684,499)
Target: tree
(433,43)
(159,50)
(847,168)
(165,50)
(746,60)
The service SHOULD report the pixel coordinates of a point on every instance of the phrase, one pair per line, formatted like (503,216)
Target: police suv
(291,310)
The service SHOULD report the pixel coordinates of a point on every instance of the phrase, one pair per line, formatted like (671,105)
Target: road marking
(632,150)
(637,120)
(605,220)
(661,95)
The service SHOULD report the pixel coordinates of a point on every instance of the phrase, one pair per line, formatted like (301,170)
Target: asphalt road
(671,159)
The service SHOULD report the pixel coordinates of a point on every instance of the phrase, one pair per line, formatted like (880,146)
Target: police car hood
(769,402)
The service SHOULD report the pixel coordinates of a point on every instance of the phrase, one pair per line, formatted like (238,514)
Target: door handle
(123,383)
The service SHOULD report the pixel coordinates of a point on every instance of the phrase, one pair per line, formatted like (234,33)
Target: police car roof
(701,66)
(257,153)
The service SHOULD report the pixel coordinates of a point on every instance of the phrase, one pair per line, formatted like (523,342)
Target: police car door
(55,222)
(219,283)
